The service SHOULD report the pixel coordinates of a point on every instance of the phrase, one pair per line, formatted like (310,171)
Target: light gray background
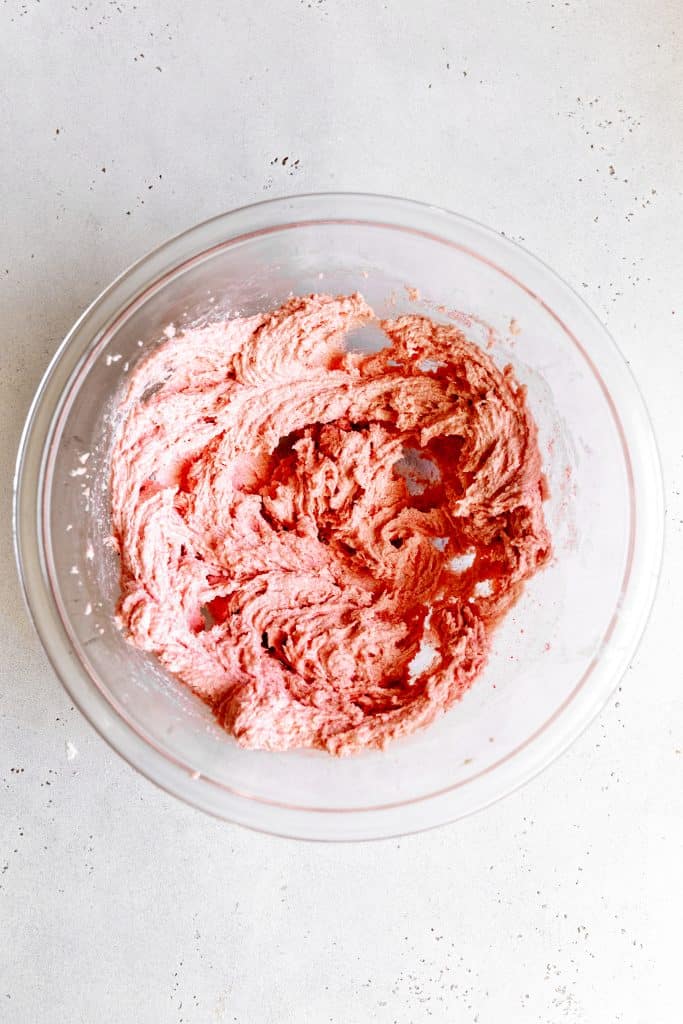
(558,123)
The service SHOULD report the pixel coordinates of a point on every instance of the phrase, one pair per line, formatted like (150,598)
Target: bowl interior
(545,650)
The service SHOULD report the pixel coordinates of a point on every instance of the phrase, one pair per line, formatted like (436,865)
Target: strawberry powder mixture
(296,521)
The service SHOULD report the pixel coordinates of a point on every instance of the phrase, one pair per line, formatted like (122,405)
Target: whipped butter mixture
(296,521)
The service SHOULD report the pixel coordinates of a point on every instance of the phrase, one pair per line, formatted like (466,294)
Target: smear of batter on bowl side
(296,521)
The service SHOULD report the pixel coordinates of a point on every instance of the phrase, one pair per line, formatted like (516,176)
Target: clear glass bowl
(557,656)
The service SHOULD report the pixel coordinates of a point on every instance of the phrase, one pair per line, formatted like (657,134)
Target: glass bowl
(557,656)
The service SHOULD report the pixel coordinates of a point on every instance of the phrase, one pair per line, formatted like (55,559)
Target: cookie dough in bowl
(261,520)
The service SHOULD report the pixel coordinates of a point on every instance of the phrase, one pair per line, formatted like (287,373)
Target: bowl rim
(538,750)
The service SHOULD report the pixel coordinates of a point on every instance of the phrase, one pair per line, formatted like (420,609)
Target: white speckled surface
(556,122)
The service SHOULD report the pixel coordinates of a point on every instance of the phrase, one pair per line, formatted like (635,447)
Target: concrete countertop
(558,123)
